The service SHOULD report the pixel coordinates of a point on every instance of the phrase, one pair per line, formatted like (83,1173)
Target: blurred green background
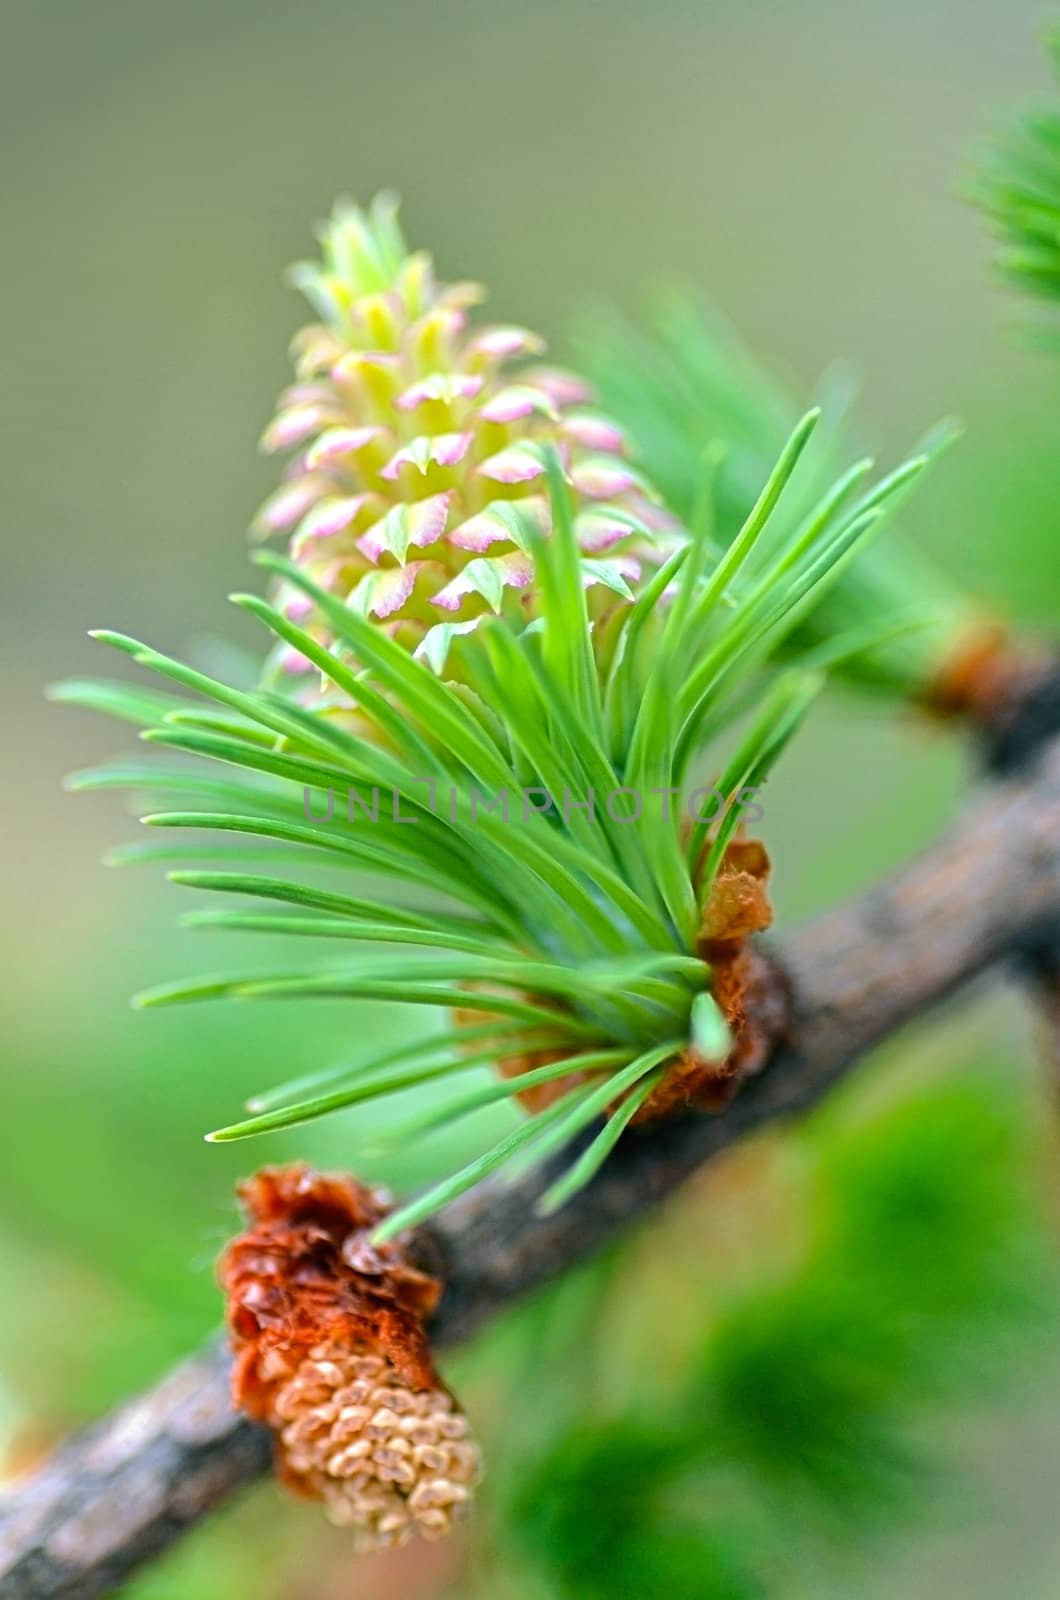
(160,166)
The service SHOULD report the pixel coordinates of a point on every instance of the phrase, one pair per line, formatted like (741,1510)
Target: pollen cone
(331,1352)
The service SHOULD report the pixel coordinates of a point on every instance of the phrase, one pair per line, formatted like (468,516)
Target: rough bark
(1025,719)
(1012,730)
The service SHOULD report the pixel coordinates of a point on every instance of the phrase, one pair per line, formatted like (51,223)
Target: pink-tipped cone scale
(418,445)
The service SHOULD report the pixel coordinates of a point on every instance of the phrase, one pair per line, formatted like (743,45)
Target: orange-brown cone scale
(742,982)
(745,985)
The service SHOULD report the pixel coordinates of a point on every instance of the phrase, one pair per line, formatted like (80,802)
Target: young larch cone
(331,1352)
(417,454)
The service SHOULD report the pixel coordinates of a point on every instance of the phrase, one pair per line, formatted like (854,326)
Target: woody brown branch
(984,896)
(1011,701)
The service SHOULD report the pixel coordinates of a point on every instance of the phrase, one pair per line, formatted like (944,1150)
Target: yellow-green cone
(416,451)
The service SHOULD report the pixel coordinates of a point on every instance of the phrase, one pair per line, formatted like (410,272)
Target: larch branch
(985,895)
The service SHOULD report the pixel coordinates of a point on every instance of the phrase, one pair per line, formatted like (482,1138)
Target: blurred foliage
(799,1426)
(686,387)
(1018,188)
